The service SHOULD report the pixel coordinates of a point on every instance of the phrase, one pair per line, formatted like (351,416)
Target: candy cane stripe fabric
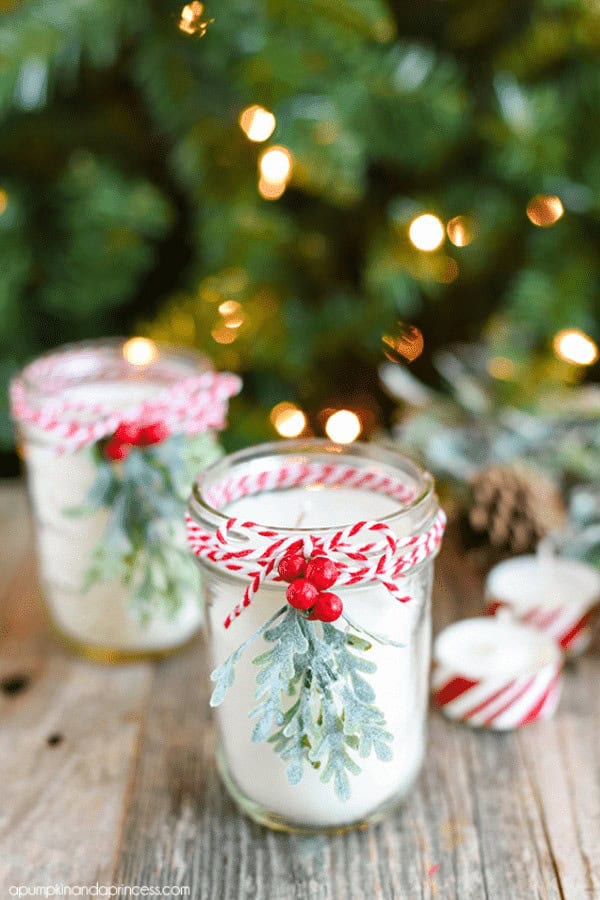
(499,706)
(570,626)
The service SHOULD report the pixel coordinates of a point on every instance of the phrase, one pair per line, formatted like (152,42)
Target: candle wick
(301,516)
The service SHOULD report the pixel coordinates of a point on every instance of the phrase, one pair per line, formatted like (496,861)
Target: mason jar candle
(317,572)
(111,432)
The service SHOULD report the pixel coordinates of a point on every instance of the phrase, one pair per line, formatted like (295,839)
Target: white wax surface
(400,682)
(102,615)
(493,648)
(531,581)
(314,507)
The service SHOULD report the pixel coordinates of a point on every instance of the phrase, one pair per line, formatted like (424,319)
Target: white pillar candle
(254,773)
(495,673)
(554,594)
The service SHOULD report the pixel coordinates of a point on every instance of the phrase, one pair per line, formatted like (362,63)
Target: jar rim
(79,362)
(422,507)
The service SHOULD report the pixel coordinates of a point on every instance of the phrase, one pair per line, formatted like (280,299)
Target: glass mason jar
(108,469)
(288,776)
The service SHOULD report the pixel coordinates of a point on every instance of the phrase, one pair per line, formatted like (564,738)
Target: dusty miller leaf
(312,689)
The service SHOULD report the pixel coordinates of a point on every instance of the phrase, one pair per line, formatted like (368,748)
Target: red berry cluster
(129,435)
(309,582)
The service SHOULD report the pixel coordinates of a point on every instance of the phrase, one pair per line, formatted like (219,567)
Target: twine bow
(364,552)
(190,406)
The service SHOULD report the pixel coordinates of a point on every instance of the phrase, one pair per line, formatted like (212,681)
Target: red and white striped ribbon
(189,405)
(570,626)
(366,551)
(499,705)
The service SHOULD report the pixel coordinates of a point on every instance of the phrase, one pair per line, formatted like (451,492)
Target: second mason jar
(317,572)
(111,432)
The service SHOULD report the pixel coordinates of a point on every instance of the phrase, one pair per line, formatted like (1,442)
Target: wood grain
(67,739)
(131,795)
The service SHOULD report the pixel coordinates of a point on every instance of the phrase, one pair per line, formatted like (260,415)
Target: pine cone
(515,506)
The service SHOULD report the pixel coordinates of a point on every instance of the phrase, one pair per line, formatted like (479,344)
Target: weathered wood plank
(474,828)
(67,741)
(130,793)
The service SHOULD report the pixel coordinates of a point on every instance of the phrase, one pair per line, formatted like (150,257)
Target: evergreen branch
(332,715)
(144,497)
(224,675)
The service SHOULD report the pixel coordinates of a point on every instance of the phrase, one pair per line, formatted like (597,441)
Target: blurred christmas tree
(282,185)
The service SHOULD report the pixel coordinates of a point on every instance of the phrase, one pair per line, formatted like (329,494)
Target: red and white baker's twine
(190,406)
(364,551)
(498,705)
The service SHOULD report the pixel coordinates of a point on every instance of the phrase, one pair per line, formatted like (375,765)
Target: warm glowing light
(232,312)
(575,347)
(545,210)
(426,232)
(460,230)
(3,200)
(275,165)
(289,421)
(223,335)
(343,426)
(269,191)
(235,320)
(405,345)
(191,21)
(229,307)
(140,351)
(257,123)
(501,367)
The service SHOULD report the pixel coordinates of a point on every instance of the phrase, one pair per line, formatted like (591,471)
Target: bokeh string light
(275,165)
(405,345)
(223,335)
(257,123)
(139,351)
(270,191)
(461,231)
(545,210)
(575,347)
(343,426)
(192,19)
(426,232)
(288,420)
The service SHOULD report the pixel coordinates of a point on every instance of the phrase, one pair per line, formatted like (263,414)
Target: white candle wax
(400,682)
(102,615)
(550,592)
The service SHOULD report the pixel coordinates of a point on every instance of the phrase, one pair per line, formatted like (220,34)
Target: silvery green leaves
(312,690)
(144,497)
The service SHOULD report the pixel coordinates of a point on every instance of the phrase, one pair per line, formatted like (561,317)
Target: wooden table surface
(107,775)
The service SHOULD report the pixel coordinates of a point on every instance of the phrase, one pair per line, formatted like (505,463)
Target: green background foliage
(132,200)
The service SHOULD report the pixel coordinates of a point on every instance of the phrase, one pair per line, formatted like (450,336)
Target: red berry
(328,607)
(127,433)
(153,434)
(291,566)
(322,572)
(301,594)
(116,450)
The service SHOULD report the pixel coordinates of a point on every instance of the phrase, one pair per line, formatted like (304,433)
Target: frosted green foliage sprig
(315,706)
(144,496)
